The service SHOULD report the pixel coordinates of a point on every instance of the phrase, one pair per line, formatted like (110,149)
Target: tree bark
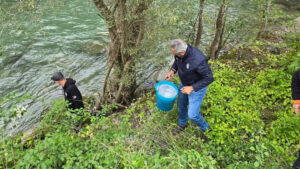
(200,24)
(126,25)
(219,27)
(264,23)
(222,41)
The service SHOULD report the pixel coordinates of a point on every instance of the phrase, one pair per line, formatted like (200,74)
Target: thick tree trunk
(219,27)
(126,32)
(200,24)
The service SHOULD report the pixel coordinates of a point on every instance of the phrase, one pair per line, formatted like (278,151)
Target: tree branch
(122,85)
(105,12)
(144,80)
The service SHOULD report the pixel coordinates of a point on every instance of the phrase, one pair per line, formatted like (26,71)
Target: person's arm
(173,70)
(174,66)
(207,77)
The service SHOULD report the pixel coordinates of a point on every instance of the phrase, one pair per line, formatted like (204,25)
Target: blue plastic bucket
(165,103)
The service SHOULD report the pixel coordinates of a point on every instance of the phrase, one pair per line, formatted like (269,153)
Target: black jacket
(193,69)
(72,94)
(296,85)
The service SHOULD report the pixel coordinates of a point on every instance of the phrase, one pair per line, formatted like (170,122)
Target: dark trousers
(297,162)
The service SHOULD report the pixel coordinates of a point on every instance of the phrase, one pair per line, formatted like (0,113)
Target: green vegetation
(248,106)
(12,113)
(249,111)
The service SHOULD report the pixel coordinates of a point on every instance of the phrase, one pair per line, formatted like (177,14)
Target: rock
(271,36)
(160,75)
(94,47)
(102,33)
(27,135)
(271,49)
(289,5)
(13,58)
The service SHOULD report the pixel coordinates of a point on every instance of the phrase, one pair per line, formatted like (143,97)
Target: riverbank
(248,107)
(39,38)
(57,35)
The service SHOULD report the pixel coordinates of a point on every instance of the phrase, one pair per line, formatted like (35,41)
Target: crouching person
(71,92)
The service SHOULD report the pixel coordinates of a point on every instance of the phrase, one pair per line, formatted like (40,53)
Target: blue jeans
(189,108)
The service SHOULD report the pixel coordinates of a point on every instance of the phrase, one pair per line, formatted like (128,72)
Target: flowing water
(53,39)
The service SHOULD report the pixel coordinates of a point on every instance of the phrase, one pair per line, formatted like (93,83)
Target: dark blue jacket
(193,69)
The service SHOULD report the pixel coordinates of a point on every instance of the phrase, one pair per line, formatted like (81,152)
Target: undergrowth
(252,125)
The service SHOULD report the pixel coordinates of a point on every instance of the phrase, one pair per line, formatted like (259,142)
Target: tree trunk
(126,25)
(219,27)
(222,41)
(200,24)
(264,23)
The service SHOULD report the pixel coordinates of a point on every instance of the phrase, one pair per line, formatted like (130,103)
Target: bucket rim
(169,83)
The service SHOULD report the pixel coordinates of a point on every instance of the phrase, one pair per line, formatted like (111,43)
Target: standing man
(296,104)
(71,92)
(195,76)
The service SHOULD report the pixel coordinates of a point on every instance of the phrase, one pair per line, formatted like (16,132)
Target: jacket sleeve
(174,66)
(296,86)
(74,97)
(207,77)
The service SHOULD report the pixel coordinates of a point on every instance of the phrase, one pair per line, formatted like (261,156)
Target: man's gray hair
(178,45)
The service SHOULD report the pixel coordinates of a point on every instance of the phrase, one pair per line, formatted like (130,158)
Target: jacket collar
(68,83)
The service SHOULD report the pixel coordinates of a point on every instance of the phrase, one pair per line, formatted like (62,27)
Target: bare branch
(146,78)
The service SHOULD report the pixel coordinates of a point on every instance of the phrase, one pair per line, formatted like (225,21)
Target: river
(52,39)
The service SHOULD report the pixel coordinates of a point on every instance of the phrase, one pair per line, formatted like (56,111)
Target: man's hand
(187,90)
(296,107)
(170,75)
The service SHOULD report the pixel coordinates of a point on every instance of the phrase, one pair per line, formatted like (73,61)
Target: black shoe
(178,129)
(204,137)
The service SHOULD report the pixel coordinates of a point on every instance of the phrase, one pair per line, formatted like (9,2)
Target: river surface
(52,39)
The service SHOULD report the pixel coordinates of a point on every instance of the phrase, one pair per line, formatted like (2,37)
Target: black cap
(57,76)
